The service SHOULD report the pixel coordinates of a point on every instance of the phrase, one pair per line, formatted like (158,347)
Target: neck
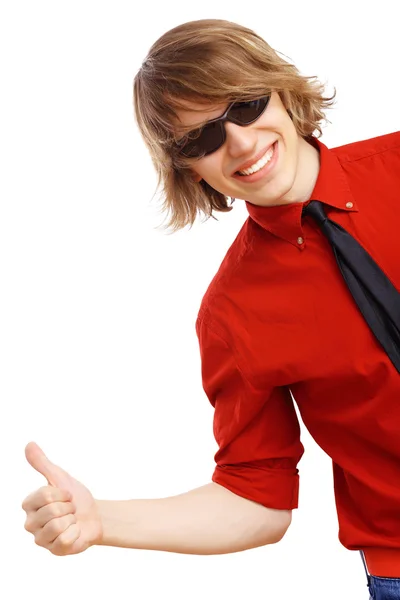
(307,173)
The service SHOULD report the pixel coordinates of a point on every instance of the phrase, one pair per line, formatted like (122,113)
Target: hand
(63,515)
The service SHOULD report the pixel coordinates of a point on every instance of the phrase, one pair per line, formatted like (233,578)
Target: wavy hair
(211,61)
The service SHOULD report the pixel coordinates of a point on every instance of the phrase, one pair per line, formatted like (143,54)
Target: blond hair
(212,61)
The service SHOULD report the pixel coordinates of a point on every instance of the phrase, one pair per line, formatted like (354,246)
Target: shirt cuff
(273,488)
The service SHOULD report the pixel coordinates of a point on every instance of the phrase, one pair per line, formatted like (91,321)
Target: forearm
(207,520)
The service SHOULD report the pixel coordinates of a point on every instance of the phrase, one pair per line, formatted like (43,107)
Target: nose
(239,140)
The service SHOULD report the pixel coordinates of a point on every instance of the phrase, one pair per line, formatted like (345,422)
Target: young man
(305,305)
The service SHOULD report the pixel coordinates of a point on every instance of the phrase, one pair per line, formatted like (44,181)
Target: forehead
(194,114)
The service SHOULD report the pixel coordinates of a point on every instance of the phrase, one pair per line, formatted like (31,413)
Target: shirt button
(349,205)
(300,240)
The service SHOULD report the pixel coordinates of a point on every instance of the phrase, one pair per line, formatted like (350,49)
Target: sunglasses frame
(221,120)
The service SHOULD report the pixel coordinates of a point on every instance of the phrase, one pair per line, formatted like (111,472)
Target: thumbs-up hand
(62,516)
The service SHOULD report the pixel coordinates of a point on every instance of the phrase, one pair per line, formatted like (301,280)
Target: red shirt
(278,319)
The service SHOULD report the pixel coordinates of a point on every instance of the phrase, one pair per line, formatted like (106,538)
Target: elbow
(277,525)
(265,532)
(284,524)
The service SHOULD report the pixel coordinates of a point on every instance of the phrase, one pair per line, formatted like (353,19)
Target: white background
(99,357)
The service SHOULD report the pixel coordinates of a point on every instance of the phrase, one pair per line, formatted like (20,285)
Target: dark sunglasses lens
(247,112)
(212,135)
(210,138)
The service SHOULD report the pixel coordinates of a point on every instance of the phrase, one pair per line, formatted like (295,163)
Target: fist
(50,517)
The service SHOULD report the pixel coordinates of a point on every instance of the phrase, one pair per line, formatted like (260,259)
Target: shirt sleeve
(257,431)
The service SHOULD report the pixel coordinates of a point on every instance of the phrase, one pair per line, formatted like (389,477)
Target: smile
(259,164)
(261,168)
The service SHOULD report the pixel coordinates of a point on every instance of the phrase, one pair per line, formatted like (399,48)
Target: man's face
(273,183)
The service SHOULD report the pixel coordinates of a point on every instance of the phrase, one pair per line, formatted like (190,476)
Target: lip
(253,160)
(262,172)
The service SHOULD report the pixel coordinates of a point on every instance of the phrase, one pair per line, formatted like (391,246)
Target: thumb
(55,476)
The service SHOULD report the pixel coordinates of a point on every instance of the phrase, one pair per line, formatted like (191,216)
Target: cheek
(197,170)
(209,168)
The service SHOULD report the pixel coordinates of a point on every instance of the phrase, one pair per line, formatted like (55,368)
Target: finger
(54,528)
(54,474)
(65,541)
(38,519)
(43,496)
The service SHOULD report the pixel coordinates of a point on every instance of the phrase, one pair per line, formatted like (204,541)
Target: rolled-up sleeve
(257,431)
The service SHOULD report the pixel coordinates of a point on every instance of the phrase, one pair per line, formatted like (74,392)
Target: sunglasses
(212,135)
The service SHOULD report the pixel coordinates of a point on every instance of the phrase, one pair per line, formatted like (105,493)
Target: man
(305,305)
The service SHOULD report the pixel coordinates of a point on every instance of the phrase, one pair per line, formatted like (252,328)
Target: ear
(195,177)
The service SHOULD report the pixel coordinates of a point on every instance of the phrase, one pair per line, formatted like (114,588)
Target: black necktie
(375,295)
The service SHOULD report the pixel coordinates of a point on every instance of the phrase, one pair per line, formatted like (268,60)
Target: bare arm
(207,520)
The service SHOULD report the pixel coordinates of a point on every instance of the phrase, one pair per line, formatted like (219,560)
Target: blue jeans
(381,588)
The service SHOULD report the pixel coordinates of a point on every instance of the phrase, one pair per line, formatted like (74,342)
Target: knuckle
(29,500)
(63,540)
(51,528)
(54,510)
(39,541)
(58,551)
(28,525)
(61,545)
(47,496)
(71,507)
(57,526)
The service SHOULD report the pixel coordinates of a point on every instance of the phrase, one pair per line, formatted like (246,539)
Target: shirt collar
(331,188)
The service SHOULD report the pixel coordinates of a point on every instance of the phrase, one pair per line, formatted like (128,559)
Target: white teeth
(260,163)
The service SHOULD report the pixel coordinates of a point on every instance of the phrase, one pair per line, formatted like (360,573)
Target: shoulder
(214,299)
(354,151)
